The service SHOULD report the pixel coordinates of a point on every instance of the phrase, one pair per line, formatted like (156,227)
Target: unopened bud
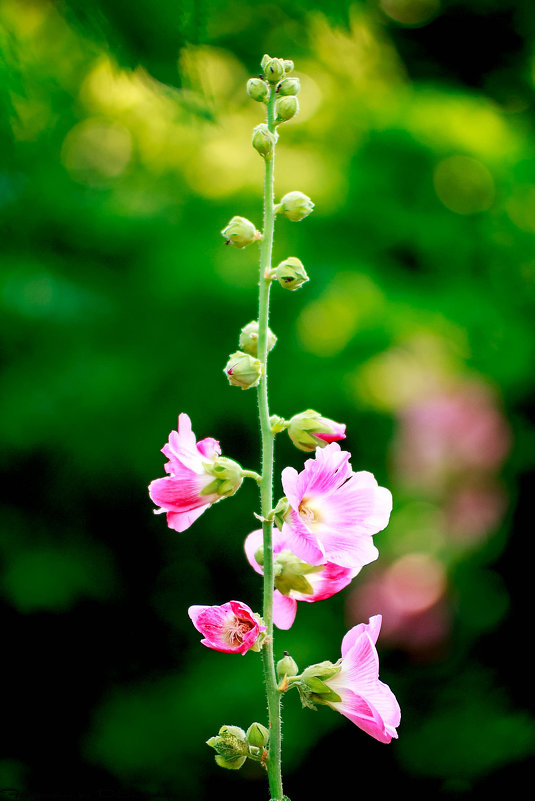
(309,430)
(288,65)
(280,512)
(289,86)
(240,232)
(291,273)
(249,338)
(287,107)
(257,735)
(273,69)
(243,370)
(277,424)
(263,141)
(287,666)
(257,89)
(231,764)
(295,205)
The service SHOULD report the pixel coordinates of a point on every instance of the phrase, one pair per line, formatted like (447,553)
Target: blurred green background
(125,140)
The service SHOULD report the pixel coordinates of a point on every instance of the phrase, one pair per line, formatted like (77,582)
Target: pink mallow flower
(232,627)
(198,476)
(333,511)
(363,699)
(295,580)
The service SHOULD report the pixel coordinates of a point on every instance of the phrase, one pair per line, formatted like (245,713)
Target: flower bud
(289,86)
(257,89)
(243,370)
(295,205)
(290,273)
(227,477)
(257,735)
(286,666)
(249,338)
(231,747)
(278,424)
(273,68)
(287,107)
(288,65)
(264,141)
(280,512)
(240,232)
(309,430)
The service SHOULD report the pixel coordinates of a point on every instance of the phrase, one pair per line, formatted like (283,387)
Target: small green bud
(264,141)
(273,68)
(257,735)
(259,556)
(257,89)
(291,273)
(288,65)
(249,338)
(278,424)
(286,666)
(295,205)
(287,107)
(289,86)
(231,764)
(240,232)
(280,512)
(243,370)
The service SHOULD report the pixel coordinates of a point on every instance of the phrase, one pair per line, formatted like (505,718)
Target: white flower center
(309,513)
(234,630)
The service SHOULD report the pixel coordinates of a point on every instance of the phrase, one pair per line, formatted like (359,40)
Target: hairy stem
(266,483)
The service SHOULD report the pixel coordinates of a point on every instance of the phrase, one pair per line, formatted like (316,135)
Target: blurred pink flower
(445,435)
(474,510)
(364,699)
(334,511)
(292,577)
(186,492)
(232,627)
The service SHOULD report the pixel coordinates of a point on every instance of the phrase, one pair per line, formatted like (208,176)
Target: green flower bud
(286,666)
(277,424)
(290,273)
(249,338)
(231,764)
(289,86)
(263,141)
(273,68)
(257,89)
(259,555)
(257,735)
(228,477)
(295,205)
(309,430)
(287,107)
(280,512)
(288,65)
(240,232)
(243,370)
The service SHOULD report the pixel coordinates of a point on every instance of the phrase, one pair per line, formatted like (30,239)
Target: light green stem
(266,483)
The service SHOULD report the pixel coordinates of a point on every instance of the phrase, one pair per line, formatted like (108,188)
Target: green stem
(266,483)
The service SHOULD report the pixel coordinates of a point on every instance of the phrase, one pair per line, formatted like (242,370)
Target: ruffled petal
(181,493)
(284,610)
(180,521)
(372,628)
(302,542)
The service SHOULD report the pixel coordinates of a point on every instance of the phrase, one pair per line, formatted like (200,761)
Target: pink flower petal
(284,610)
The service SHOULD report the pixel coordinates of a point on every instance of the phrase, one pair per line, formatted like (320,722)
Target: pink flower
(334,511)
(197,477)
(295,580)
(364,700)
(232,628)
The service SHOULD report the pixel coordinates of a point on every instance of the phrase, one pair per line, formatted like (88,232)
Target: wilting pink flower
(334,511)
(292,577)
(232,627)
(192,484)
(364,700)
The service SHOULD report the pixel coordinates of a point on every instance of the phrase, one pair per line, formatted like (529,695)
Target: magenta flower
(333,511)
(232,628)
(295,580)
(364,700)
(198,476)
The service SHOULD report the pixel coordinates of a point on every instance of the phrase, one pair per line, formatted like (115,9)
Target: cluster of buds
(233,745)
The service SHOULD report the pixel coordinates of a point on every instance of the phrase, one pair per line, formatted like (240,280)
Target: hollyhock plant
(333,511)
(352,685)
(310,430)
(198,476)
(232,627)
(295,580)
